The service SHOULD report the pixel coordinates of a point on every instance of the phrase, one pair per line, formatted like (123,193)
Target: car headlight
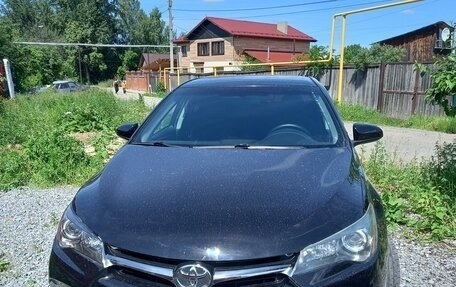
(355,243)
(73,233)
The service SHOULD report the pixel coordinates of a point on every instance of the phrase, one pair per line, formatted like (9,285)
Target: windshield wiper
(157,143)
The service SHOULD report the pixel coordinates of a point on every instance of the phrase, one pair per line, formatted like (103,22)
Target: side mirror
(365,133)
(126,130)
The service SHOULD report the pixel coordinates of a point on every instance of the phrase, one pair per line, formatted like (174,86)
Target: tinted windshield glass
(243,117)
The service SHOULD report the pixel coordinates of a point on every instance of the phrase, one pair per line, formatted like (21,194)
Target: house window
(184,51)
(218,48)
(203,49)
(199,67)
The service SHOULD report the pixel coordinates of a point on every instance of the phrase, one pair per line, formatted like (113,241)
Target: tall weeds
(419,195)
(41,142)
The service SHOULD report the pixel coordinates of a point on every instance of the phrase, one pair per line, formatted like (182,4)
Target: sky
(314,17)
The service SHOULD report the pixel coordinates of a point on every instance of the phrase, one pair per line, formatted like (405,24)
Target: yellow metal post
(165,81)
(215,71)
(272,70)
(342,44)
(178,76)
(341,62)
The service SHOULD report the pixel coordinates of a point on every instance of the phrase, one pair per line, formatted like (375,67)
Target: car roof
(62,82)
(227,81)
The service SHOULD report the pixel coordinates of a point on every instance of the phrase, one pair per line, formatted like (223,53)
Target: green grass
(420,196)
(354,113)
(4,264)
(45,136)
(156,95)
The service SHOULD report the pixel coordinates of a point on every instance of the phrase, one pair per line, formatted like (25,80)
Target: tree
(362,57)
(316,53)
(75,21)
(444,84)
(251,60)
(357,55)
(130,62)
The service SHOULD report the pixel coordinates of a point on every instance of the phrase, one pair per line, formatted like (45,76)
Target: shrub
(57,158)
(161,87)
(14,170)
(441,169)
(38,145)
(418,195)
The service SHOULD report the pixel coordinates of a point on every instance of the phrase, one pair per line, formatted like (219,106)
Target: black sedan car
(230,181)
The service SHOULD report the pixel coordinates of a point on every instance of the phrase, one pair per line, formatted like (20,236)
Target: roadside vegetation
(418,195)
(353,113)
(53,139)
(57,139)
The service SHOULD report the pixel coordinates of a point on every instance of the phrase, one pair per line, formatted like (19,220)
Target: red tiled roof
(148,58)
(181,40)
(273,56)
(257,29)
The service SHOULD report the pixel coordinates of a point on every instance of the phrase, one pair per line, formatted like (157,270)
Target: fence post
(415,91)
(381,82)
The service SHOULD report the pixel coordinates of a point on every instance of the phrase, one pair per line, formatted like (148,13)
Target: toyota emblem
(192,275)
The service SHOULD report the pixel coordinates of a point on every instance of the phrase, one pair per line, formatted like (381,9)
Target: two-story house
(225,44)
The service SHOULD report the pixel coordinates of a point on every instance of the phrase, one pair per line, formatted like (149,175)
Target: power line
(294,12)
(257,8)
(91,45)
(307,11)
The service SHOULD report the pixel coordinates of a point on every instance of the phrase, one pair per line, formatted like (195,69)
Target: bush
(39,143)
(441,169)
(161,87)
(418,195)
(57,158)
(14,170)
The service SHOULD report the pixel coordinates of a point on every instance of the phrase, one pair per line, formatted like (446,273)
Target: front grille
(125,277)
(215,264)
(265,272)
(260,281)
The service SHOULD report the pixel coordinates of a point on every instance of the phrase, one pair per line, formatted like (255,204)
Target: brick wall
(234,47)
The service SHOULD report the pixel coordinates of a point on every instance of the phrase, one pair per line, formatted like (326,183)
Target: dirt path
(135,95)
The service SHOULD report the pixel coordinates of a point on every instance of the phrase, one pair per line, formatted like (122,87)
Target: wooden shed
(424,44)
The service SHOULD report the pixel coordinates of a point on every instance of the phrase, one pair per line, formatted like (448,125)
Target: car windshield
(241,117)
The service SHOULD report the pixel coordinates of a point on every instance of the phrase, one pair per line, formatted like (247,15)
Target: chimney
(282,27)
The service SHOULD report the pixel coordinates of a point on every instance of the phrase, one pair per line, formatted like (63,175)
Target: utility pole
(171,52)
(9,78)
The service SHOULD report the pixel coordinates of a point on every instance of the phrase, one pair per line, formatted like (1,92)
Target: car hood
(221,204)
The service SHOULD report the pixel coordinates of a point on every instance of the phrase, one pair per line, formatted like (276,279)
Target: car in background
(231,181)
(39,89)
(68,86)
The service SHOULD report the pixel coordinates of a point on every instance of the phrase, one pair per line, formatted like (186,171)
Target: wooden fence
(395,89)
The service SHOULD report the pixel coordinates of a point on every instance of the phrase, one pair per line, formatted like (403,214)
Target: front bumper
(69,268)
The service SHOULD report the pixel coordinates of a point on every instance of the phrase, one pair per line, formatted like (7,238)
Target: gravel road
(29,217)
